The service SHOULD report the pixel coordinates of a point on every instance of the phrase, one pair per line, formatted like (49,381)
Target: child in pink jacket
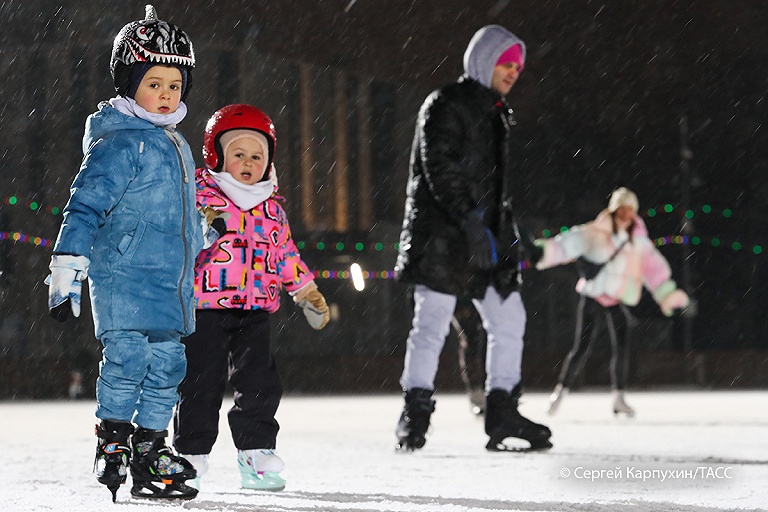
(237,286)
(623,260)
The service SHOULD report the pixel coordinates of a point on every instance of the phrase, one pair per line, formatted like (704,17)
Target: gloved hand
(678,299)
(534,248)
(65,284)
(481,242)
(313,305)
(214,225)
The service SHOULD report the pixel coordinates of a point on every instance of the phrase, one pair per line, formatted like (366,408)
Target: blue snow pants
(139,375)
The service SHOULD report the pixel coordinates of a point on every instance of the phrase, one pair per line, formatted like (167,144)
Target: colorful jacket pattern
(252,260)
(638,263)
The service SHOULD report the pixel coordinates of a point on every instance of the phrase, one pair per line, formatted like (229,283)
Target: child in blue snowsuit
(132,227)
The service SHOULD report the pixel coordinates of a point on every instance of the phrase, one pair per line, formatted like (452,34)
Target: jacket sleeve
(441,148)
(565,247)
(657,275)
(294,273)
(108,168)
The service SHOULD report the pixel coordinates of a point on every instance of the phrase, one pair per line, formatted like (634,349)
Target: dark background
(665,97)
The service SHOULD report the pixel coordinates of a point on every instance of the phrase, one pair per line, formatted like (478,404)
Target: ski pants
(503,320)
(139,375)
(234,345)
(589,316)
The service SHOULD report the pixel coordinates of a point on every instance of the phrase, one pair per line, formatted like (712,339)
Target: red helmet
(235,117)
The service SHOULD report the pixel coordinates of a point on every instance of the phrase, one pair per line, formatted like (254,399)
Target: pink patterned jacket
(248,265)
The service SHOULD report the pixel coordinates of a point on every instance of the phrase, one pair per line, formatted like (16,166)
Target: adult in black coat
(458,238)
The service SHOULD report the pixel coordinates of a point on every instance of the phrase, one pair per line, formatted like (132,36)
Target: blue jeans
(503,320)
(139,375)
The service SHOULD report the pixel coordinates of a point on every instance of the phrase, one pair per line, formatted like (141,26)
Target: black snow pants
(590,315)
(228,344)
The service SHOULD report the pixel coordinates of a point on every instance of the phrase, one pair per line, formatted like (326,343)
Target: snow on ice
(685,451)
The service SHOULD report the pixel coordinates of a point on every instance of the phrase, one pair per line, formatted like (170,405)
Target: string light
(21,237)
(32,205)
(698,241)
(650,212)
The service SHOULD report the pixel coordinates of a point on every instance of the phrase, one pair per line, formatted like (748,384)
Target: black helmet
(150,40)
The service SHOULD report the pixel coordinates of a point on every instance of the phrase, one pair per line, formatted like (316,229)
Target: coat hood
(108,120)
(484,50)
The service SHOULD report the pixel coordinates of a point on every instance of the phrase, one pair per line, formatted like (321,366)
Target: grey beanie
(484,50)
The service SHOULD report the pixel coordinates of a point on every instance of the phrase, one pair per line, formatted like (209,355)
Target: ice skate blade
(267,481)
(499,446)
(628,414)
(171,491)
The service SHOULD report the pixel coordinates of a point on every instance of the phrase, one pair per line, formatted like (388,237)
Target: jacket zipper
(177,145)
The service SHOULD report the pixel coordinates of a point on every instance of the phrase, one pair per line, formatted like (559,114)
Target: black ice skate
(153,462)
(502,420)
(414,421)
(113,454)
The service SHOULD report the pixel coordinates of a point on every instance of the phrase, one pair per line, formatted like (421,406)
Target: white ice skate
(259,470)
(555,398)
(201,465)
(620,406)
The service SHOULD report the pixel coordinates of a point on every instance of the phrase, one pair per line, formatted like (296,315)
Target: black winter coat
(459,163)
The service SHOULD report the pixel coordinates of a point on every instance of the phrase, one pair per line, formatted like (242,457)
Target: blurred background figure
(616,259)
(468,325)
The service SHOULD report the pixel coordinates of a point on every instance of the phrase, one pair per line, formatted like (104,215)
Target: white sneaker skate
(620,406)
(555,398)
(201,465)
(259,470)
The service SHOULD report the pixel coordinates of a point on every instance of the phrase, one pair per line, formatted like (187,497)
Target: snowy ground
(685,451)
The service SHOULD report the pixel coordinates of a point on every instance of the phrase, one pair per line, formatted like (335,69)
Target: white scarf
(129,107)
(244,196)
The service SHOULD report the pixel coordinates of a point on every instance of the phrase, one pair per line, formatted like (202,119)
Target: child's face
(245,160)
(160,90)
(504,77)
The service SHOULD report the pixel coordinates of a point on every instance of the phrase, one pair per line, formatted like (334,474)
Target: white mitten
(677,299)
(313,305)
(214,223)
(65,284)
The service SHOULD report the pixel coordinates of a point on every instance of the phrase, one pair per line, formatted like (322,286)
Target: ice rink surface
(686,451)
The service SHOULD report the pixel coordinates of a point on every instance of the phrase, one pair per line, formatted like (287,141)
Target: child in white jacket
(619,260)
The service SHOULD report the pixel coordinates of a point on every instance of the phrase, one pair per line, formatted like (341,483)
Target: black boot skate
(414,421)
(152,462)
(113,454)
(502,420)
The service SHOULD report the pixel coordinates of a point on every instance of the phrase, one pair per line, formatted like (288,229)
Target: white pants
(503,321)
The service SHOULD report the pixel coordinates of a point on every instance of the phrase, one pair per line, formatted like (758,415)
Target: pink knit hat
(231,136)
(512,54)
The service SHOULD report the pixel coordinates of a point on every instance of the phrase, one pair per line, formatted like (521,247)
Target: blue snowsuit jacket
(132,212)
